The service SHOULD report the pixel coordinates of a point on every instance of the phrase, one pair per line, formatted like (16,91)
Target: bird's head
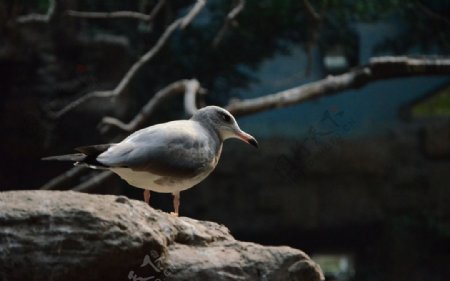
(223,123)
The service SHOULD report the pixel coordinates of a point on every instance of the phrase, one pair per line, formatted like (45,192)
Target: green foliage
(43,5)
(437,105)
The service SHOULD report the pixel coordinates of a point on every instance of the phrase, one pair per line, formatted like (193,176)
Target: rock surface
(51,235)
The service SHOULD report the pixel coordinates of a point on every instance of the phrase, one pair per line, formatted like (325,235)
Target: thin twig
(109,15)
(41,18)
(229,20)
(118,14)
(314,33)
(432,14)
(121,87)
(94,181)
(71,106)
(188,87)
(58,181)
(311,11)
(156,9)
(192,13)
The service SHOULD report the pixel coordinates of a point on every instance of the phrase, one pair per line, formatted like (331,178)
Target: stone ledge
(64,235)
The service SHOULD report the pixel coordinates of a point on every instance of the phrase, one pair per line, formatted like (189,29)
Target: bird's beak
(247,138)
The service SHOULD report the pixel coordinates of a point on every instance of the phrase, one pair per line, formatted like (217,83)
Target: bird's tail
(87,156)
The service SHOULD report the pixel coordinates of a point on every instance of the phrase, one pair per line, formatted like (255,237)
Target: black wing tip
(93,149)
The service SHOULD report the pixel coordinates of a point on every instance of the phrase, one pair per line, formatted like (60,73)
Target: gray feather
(179,150)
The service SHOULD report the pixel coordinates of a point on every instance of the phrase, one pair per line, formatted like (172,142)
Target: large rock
(47,235)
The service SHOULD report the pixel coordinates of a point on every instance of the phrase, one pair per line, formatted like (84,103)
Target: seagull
(168,157)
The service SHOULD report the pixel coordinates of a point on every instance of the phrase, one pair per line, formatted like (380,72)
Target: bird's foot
(174,214)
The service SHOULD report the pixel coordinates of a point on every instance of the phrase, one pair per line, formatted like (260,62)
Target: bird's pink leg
(147,196)
(176,204)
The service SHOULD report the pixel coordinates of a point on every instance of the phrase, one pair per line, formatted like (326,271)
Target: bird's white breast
(163,184)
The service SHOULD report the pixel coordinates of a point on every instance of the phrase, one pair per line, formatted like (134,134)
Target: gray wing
(164,150)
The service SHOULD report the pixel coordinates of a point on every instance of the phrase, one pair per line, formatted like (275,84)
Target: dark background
(376,195)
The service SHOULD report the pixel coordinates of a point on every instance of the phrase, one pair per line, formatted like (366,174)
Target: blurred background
(360,180)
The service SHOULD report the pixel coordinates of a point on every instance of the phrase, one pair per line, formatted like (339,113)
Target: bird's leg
(147,196)
(176,203)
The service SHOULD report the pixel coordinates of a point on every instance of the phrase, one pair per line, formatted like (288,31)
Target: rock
(53,235)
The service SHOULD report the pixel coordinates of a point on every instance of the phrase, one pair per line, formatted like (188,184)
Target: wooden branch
(118,14)
(311,11)
(109,15)
(156,9)
(190,97)
(313,33)
(93,182)
(229,21)
(144,59)
(58,181)
(192,13)
(74,104)
(188,87)
(432,14)
(41,18)
(377,69)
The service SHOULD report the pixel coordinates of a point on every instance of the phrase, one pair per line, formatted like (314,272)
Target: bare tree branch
(377,69)
(71,106)
(432,14)
(40,18)
(190,97)
(93,182)
(109,15)
(192,13)
(118,14)
(311,11)
(58,181)
(313,33)
(229,21)
(121,87)
(188,87)
(156,9)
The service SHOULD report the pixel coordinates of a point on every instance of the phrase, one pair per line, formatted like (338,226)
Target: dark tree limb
(52,11)
(432,14)
(311,11)
(93,182)
(230,21)
(58,181)
(377,69)
(313,33)
(195,10)
(109,15)
(144,59)
(118,14)
(188,87)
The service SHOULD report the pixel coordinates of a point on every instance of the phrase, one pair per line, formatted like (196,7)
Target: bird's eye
(225,117)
